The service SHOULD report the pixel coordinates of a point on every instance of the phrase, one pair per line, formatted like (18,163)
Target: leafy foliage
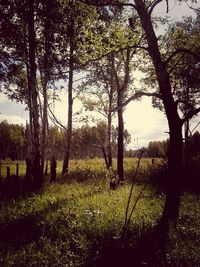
(12,141)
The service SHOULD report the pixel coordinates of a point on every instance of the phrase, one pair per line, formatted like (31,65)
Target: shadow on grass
(146,249)
(18,233)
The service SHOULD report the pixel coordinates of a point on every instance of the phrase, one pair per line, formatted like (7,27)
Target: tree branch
(137,95)
(99,4)
(85,141)
(195,127)
(181,50)
(153,5)
(118,49)
(55,120)
(177,101)
(193,8)
(176,64)
(190,115)
(167,2)
(8,57)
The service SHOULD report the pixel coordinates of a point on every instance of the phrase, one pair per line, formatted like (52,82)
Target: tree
(12,141)
(184,69)
(158,149)
(109,81)
(37,173)
(22,70)
(171,209)
(100,88)
(79,19)
(144,11)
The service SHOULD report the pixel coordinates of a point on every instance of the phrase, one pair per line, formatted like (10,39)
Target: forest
(75,193)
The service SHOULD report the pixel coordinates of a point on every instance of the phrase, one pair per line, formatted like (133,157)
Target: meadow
(78,221)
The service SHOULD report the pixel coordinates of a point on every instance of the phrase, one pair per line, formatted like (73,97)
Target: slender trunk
(29,140)
(30,131)
(110,95)
(109,147)
(44,129)
(17,169)
(70,101)
(105,157)
(187,128)
(7,173)
(120,143)
(45,80)
(171,208)
(46,168)
(37,174)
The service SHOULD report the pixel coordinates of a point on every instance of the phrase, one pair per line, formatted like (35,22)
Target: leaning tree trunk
(171,208)
(70,101)
(36,160)
(120,140)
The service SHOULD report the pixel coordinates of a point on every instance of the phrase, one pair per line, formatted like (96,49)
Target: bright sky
(142,121)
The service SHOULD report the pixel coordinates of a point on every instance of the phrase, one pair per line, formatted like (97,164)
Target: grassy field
(81,166)
(79,223)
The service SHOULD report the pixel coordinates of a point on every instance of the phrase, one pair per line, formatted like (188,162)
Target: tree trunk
(29,137)
(17,170)
(120,143)
(46,168)
(173,185)
(45,80)
(70,101)
(171,209)
(44,128)
(109,147)
(29,131)
(0,171)
(37,174)
(105,157)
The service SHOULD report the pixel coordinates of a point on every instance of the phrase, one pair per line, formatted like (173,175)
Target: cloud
(145,123)
(13,119)
(11,111)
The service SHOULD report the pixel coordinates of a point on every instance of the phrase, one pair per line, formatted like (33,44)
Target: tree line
(87,142)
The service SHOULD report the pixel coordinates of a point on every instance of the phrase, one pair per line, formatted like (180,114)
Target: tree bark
(120,143)
(45,80)
(29,127)
(109,147)
(36,156)
(171,208)
(70,101)
(105,157)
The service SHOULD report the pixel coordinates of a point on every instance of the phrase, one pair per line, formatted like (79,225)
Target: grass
(69,220)
(81,166)
(79,223)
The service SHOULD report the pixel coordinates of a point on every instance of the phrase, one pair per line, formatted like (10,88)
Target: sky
(143,122)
